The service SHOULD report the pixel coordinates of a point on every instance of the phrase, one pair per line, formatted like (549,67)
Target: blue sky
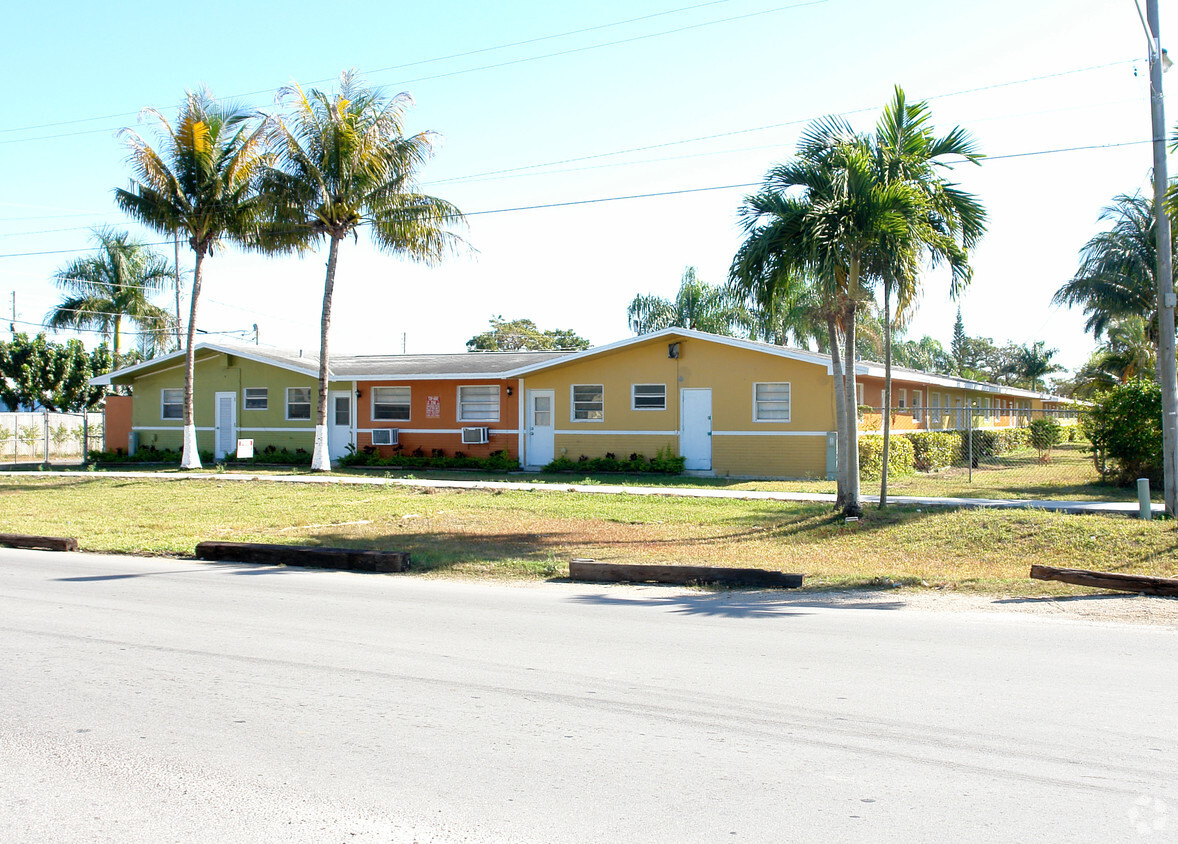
(1024,78)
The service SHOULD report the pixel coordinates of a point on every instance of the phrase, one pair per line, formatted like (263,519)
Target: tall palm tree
(822,217)
(1034,362)
(698,305)
(344,162)
(947,224)
(202,183)
(1116,277)
(111,285)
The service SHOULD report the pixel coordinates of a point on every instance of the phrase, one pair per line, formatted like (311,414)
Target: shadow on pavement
(734,604)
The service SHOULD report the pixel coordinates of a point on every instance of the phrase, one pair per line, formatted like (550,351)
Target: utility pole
(1167,363)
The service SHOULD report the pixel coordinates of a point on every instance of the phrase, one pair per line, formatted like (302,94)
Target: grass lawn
(533,535)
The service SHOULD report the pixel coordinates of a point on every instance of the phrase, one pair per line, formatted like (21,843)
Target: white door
(225,436)
(695,440)
(541,442)
(339,424)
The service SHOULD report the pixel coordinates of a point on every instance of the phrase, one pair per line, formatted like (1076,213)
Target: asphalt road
(164,700)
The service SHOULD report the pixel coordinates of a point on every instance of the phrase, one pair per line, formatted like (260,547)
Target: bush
(663,463)
(1046,434)
(934,450)
(900,457)
(1125,428)
(497,461)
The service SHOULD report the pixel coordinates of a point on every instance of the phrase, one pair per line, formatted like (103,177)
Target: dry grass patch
(534,534)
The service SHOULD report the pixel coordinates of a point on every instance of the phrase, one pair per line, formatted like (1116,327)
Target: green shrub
(497,461)
(934,450)
(1046,434)
(900,457)
(1125,428)
(663,463)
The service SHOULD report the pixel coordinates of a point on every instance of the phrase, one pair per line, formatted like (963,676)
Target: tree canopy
(55,376)
(522,334)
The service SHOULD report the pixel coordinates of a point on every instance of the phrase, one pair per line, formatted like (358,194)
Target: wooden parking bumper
(348,559)
(40,543)
(1109,580)
(595,572)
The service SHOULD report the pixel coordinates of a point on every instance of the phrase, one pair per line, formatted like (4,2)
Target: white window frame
(903,405)
(757,402)
(917,405)
(634,396)
(859,397)
(177,403)
(246,398)
(573,404)
(309,403)
(407,403)
(468,404)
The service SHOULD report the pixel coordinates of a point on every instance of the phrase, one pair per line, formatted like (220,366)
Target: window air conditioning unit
(475,436)
(385,436)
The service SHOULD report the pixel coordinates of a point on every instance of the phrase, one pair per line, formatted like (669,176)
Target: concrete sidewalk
(1119,508)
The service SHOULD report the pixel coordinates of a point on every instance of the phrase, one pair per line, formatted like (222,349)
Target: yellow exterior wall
(740,446)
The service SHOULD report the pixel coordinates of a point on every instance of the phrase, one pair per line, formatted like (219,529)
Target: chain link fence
(981,452)
(43,437)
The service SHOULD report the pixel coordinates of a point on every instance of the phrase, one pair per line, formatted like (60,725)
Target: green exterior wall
(217,373)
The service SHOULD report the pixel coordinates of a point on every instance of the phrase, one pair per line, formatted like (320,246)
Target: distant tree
(35,372)
(201,183)
(1127,353)
(715,309)
(958,347)
(522,334)
(925,354)
(111,285)
(1034,363)
(344,162)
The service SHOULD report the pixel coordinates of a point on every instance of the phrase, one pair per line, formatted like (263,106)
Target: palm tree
(112,285)
(948,223)
(1116,278)
(343,162)
(202,183)
(821,219)
(698,305)
(1034,362)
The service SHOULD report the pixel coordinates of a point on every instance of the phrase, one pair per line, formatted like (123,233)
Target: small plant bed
(663,463)
(151,456)
(368,457)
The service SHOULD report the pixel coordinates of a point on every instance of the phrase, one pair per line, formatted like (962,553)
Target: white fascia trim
(915,377)
(167,428)
(772,433)
(493,432)
(280,430)
(366,379)
(575,432)
(105,380)
(690,333)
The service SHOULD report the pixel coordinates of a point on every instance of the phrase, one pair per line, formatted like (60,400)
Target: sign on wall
(433,407)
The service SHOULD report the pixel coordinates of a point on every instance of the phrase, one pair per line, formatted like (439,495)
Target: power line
(480,68)
(597,200)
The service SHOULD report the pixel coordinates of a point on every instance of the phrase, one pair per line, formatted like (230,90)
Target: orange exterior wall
(116,425)
(443,431)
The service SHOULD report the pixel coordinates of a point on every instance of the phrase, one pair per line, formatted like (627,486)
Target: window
(257,398)
(390,403)
(771,402)
(298,402)
(859,394)
(916,402)
(478,404)
(588,403)
(648,396)
(172,404)
(903,398)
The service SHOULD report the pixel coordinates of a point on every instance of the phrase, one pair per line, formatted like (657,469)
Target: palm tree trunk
(321,459)
(887,409)
(851,507)
(840,412)
(190,458)
(115,343)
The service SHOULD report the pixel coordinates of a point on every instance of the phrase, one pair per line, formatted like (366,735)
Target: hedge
(497,461)
(934,450)
(663,463)
(900,457)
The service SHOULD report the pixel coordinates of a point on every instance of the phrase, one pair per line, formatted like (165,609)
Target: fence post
(85,437)
(45,417)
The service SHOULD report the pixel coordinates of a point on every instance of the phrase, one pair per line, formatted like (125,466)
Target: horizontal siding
(770,457)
